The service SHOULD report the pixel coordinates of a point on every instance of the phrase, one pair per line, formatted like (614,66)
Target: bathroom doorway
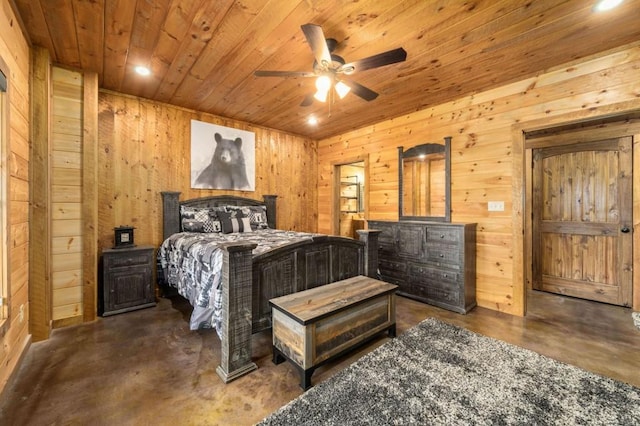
(350,196)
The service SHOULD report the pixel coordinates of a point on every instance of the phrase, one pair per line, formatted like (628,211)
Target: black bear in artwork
(227,169)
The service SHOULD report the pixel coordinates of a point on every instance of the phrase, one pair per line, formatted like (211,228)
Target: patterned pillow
(200,219)
(234,222)
(257,215)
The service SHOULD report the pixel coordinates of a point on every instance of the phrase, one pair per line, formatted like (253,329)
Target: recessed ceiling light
(143,70)
(312,120)
(604,5)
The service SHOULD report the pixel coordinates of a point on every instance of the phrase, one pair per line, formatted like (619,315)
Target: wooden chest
(313,326)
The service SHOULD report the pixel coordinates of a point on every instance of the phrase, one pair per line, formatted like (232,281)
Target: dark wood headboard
(171,208)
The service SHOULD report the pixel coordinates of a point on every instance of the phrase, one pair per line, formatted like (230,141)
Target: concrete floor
(147,367)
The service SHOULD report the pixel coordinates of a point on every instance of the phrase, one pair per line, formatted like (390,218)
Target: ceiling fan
(330,70)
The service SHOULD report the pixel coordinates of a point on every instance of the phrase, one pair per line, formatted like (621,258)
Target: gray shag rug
(437,373)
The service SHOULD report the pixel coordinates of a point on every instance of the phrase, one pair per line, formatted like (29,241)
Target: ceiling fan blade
(375,61)
(359,90)
(293,74)
(308,100)
(315,38)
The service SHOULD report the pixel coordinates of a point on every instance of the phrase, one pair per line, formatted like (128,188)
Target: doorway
(350,198)
(582,220)
(581,213)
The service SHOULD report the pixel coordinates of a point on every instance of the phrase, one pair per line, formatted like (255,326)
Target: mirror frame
(424,149)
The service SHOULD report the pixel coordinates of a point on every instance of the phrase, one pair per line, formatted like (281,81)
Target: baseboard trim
(67,322)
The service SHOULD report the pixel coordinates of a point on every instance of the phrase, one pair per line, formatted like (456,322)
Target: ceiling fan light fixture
(321,95)
(323,83)
(342,89)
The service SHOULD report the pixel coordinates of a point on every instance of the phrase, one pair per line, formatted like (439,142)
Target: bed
(250,275)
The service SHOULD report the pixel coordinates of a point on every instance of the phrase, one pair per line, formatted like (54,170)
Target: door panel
(582,204)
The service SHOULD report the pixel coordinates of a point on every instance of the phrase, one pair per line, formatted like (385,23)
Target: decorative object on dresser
(127,280)
(314,326)
(239,272)
(123,236)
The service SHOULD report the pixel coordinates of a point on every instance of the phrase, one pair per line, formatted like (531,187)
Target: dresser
(434,262)
(126,280)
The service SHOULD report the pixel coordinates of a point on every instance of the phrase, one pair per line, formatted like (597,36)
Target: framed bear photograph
(222,157)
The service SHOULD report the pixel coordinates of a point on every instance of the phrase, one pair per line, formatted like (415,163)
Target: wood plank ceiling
(203,53)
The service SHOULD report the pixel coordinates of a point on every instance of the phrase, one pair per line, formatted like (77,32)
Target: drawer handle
(445,275)
(441,254)
(441,235)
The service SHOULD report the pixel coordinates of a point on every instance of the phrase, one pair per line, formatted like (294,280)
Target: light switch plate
(496,206)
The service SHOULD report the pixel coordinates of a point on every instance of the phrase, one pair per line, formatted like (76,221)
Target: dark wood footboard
(249,282)
(302,266)
(282,271)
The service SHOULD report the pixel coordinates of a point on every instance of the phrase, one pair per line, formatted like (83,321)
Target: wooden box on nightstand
(127,280)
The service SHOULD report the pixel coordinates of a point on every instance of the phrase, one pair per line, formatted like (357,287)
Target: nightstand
(127,280)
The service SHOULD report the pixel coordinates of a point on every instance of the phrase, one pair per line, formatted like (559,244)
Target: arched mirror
(424,175)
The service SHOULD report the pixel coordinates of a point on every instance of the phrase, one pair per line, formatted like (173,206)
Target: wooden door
(582,220)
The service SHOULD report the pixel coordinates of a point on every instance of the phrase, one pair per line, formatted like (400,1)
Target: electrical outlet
(21,314)
(495,206)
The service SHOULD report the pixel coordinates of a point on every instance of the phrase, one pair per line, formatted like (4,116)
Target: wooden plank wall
(14,50)
(66,196)
(144,148)
(487,156)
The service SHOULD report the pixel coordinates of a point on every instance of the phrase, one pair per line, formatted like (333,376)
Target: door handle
(625,229)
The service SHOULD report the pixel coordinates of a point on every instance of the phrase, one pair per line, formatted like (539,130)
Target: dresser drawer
(428,274)
(127,260)
(443,234)
(387,252)
(444,255)
(394,273)
(387,237)
(440,293)
(392,268)
(388,244)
